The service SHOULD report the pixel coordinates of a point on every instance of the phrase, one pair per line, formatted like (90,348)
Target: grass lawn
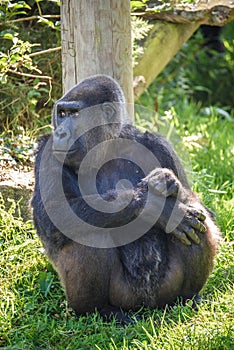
(34,314)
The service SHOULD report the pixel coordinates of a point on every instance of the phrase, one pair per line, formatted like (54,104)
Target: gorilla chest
(111,175)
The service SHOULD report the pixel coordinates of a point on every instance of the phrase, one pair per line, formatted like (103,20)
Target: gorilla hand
(176,218)
(191,226)
(163,181)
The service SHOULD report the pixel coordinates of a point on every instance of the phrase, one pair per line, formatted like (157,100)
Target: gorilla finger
(181,237)
(196,224)
(143,182)
(159,187)
(198,214)
(173,189)
(202,228)
(191,234)
(202,216)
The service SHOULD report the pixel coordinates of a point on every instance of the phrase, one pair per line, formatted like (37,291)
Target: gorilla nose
(61,139)
(61,133)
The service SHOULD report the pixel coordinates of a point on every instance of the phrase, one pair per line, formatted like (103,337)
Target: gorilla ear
(109,110)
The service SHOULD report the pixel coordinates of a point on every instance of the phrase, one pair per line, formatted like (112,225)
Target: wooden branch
(213,12)
(45,51)
(31,18)
(34,76)
(162,43)
(171,29)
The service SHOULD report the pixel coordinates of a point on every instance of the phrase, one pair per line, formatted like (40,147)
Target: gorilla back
(114,210)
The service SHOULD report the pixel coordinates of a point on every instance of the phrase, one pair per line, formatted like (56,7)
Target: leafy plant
(194,72)
(17,57)
(16,151)
(25,74)
(9,9)
(140,30)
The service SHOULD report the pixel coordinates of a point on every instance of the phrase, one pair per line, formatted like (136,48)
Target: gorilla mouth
(69,151)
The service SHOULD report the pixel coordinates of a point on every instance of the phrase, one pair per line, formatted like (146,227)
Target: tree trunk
(96,39)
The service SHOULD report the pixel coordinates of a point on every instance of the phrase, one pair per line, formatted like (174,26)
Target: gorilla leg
(84,274)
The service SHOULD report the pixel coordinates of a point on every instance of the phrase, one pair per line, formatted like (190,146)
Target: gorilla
(114,210)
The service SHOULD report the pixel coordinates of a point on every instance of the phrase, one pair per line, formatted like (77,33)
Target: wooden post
(96,39)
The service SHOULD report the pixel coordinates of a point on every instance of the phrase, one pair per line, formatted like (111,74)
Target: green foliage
(9,10)
(16,151)
(26,75)
(33,310)
(26,98)
(138,5)
(200,73)
(17,57)
(140,30)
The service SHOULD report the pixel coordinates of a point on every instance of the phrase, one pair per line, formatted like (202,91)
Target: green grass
(34,314)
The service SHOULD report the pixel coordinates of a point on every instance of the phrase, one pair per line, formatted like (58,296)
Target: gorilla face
(79,128)
(90,113)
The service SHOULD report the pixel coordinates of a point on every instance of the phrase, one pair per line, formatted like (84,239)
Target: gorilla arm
(168,183)
(190,221)
(56,186)
(161,181)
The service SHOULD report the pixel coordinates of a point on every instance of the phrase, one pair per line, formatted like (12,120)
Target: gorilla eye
(62,114)
(76,114)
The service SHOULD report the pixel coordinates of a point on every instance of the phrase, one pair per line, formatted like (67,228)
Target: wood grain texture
(209,12)
(96,39)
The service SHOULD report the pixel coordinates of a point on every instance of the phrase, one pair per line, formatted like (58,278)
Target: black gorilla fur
(156,268)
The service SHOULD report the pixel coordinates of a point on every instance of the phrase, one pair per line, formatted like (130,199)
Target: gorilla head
(90,113)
